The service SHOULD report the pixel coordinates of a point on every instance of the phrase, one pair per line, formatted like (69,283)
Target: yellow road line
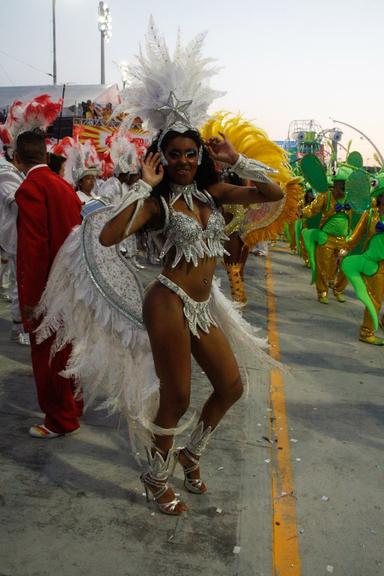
(285,546)
(280,248)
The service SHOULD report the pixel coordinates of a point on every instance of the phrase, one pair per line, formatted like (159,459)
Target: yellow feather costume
(260,221)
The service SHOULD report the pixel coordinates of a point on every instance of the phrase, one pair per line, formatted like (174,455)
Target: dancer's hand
(151,169)
(341,255)
(221,150)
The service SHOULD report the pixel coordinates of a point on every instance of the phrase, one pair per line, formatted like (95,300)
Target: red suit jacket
(48,210)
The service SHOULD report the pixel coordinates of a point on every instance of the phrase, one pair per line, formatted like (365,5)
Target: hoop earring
(163,159)
(200,156)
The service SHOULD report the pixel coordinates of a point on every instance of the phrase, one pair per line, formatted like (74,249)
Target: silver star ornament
(175,110)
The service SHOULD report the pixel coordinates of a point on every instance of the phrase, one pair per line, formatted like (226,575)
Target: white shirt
(10,180)
(84,198)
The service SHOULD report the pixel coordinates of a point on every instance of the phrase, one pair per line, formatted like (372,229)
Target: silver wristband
(252,169)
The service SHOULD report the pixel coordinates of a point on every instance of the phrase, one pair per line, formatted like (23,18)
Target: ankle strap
(199,439)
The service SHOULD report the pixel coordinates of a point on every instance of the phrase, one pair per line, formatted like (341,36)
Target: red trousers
(55,393)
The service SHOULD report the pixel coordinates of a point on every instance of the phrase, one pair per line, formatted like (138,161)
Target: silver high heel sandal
(193,450)
(157,478)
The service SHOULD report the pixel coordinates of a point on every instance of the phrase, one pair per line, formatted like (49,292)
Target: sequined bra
(184,233)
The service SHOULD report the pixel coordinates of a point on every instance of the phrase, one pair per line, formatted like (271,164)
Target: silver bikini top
(184,233)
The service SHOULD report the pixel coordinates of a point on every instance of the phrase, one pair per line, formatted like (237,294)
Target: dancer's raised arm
(137,207)
(264,190)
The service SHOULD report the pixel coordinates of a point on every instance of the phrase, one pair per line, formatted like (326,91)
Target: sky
(280,60)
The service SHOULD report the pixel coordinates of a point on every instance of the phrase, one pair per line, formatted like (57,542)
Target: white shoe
(41,431)
(24,339)
(19,336)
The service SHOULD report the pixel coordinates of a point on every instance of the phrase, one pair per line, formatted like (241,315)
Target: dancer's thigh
(169,336)
(214,354)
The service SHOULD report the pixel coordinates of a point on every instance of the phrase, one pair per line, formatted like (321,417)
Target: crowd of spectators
(93,111)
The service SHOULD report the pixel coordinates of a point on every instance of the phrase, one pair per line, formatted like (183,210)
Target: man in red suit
(48,210)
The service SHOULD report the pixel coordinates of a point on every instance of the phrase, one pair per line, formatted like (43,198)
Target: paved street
(75,507)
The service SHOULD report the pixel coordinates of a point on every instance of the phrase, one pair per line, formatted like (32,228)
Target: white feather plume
(156,74)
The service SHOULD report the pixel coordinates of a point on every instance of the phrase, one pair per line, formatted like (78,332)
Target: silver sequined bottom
(197,314)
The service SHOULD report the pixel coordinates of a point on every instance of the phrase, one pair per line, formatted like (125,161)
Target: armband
(252,169)
(139,192)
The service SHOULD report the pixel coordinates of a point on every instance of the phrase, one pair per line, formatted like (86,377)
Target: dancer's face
(339,189)
(87,184)
(181,154)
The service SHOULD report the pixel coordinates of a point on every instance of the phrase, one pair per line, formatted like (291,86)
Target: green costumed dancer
(366,271)
(323,244)
(303,223)
(340,195)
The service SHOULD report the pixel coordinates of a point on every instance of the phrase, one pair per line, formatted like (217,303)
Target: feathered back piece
(170,91)
(254,143)
(123,155)
(39,113)
(82,160)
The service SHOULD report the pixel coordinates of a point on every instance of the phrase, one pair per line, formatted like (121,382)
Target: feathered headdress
(170,93)
(82,160)
(37,113)
(123,155)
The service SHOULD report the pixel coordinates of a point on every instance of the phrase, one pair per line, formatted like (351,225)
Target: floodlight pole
(54,71)
(102,58)
(105,27)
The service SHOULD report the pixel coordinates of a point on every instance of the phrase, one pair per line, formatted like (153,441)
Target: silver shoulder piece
(252,169)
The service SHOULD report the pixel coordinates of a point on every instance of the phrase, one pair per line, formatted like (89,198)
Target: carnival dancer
(48,209)
(291,236)
(303,223)
(177,203)
(10,180)
(253,224)
(237,251)
(81,168)
(22,116)
(178,200)
(366,270)
(324,244)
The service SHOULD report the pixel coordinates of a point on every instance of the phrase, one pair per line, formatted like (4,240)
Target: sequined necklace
(188,192)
